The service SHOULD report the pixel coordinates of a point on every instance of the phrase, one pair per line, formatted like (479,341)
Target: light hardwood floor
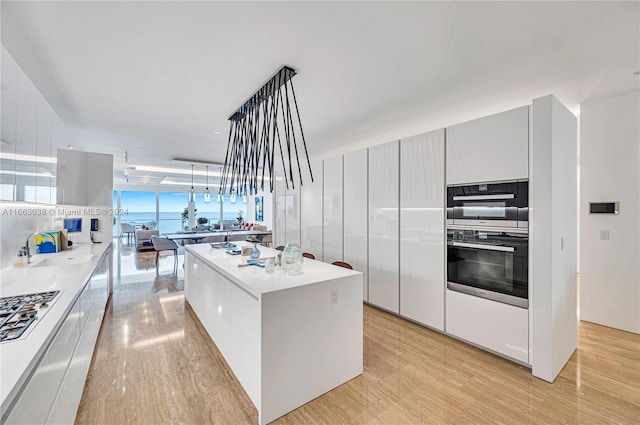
(153,365)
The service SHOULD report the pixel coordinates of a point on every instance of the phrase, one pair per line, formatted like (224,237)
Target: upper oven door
(491,204)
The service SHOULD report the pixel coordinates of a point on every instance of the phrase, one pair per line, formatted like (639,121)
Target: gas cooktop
(19,312)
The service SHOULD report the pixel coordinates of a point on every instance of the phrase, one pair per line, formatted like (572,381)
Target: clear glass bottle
(292,259)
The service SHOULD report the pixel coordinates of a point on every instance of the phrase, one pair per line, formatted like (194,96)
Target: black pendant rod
(301,131)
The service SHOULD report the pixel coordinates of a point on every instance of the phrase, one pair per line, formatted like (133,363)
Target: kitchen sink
(61,261)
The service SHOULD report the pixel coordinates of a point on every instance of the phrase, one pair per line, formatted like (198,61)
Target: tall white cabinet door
(422,237)
(43,151)
(279,210)
(8,117)
(355,214)
(492,148)
(332,210)
(383,226)
(26,128)
(311,212)
(292,214)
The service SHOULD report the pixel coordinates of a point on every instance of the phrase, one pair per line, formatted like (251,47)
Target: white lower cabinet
(52,394)
(499,327)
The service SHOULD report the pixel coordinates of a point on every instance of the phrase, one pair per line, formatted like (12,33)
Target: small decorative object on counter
(292,259)
(269,266)
(255,252)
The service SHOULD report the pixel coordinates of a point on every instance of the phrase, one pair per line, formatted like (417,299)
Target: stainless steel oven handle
(483,197)
(487,247)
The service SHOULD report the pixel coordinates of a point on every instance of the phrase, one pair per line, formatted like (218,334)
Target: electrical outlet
(604,235)
(334,296)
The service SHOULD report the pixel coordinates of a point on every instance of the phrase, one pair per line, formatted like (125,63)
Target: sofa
(143,238)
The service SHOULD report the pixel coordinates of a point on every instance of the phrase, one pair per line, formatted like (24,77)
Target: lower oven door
(495,272)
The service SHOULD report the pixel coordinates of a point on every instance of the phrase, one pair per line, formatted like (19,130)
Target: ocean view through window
(164,210)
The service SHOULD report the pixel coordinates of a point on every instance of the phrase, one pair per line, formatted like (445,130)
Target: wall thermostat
(604,207)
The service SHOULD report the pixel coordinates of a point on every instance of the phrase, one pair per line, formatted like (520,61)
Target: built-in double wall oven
(488,241)
(493,204)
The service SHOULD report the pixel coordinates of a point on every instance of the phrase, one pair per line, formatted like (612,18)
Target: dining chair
(280,248)
(165,244)
(342,264)
(128,229)
(308,255)
(267,240)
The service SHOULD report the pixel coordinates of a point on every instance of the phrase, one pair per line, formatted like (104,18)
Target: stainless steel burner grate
(19,312)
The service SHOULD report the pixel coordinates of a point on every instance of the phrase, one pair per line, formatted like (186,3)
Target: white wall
(19,220)
(610,171)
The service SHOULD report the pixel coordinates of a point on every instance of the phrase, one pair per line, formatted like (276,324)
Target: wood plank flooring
(153,365)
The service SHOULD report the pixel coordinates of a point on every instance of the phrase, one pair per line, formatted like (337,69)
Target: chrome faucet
(26,248)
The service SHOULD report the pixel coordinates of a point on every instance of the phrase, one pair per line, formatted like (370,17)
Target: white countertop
(18,357)
(255,280)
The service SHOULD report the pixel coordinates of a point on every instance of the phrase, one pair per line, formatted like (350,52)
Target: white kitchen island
(288,339)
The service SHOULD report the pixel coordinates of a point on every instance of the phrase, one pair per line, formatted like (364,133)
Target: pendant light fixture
(233,198)
(220,198)
(192,191)
(268,122)
(207,195)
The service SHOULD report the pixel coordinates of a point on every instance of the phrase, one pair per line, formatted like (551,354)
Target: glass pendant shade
(245,200)
(192,191)
(207,195)
(233,198)
(219,197)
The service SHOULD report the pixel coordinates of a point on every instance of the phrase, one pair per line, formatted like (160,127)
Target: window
(139,208)
(171,206)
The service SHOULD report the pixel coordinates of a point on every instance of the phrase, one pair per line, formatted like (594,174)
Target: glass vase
(255,252)
(292,259)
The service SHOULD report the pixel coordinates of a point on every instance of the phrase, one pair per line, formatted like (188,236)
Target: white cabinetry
(292,204)
(355,214)
(9,96)
(492,148)
(84,178)
(383,226)
(280,210)
(26,130)
(43,152)
(422,228)
(332,210)
(311,212)
(499,327)
(53,393)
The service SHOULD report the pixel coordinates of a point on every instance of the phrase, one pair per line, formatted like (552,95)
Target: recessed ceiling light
(215,132)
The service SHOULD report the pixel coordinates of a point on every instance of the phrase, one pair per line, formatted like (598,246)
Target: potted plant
(239,218)
(202,220)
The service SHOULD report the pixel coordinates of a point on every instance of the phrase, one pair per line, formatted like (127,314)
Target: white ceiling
(158,78)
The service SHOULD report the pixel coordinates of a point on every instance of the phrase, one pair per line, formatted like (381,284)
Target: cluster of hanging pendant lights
(265,127)
(207,194)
